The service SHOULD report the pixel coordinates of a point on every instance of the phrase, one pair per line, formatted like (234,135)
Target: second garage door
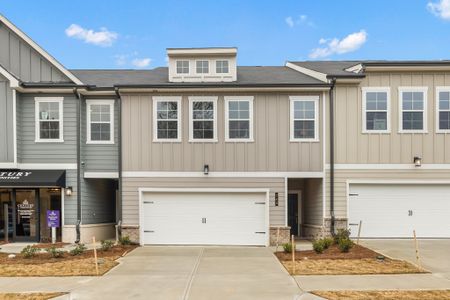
(204,218)
(395,210)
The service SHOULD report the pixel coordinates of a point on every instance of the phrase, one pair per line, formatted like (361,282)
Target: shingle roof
(246,76)
(336,68)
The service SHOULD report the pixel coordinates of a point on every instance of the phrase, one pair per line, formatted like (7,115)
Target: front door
(293,213)
(6,211)
(26,227)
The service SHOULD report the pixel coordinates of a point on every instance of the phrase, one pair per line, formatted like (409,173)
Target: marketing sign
(53,218)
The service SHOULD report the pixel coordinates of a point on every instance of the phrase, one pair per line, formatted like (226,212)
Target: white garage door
(396,210)
(188,218)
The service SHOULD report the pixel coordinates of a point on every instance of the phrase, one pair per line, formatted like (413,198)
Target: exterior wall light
(206,169)
(69,191)
(417,161)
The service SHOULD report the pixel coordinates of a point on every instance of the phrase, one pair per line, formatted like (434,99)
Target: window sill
(49,141)
(99,142)
(304,140)
(239,140)
(412,131)
(376,132)
(203,141)
(166,141)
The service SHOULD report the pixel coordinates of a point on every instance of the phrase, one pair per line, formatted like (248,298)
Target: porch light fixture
(417,161)
(69,191)
(206,169)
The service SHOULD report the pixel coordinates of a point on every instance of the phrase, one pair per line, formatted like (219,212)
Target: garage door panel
(396,210)
(204,218)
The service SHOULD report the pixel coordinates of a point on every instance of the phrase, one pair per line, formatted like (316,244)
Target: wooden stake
(359,232)
(95,255)
(417,249)
(293,254)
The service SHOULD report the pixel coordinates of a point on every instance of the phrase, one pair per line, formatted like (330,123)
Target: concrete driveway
(193,273)
(434,254)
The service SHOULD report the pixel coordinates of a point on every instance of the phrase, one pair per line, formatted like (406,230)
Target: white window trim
(209,66)
(88,120)
(438,90)
(403,89)
(193,99)
(189,67)
(215,69)
(37,101)
(316,118)
(248,99)
(157,99)
(386,90)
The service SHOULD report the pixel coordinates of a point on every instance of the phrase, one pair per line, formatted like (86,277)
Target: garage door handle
(260,232)
(151,231)
(353,194)
(148,202)
(353,224)
(260,202)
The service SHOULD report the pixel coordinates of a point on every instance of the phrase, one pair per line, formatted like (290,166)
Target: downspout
(77,227)
(119,104)
(333,220)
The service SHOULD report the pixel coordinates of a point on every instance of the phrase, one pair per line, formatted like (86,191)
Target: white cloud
(141,62)
(290,22)
(350,43)
(302,19)
(103,37)
(440,9)
(121,59)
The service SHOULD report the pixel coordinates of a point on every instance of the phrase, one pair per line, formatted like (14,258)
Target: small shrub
(327,242)
(107,245)
(29,251)
(79,249)
(342,234)
(319,246)
(287,247)
(125,240)
(345,244)
(54,252)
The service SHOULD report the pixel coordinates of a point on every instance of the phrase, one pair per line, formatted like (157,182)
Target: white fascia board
(106,175)
(317,75)
(13,81)
(355,69)
(410,166)
(39,49)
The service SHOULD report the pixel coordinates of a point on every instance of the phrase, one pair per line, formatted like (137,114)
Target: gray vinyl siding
(354,147)
(100,157)
(98,201)
(270,151)
(70,202)
(23,61)
(6,122)
(31,152)
(130,202)
(343,176)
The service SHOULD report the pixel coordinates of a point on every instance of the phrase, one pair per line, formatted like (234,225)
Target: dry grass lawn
(29,296)
(384,295)
(350,267)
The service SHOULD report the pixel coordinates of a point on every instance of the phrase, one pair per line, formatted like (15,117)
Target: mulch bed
(44,257)
(29,296)
(356,252)
(49,245)
(384,295)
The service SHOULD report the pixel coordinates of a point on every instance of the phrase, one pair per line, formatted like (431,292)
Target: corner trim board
(135,174)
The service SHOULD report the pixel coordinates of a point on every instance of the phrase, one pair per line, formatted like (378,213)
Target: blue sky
(135,34)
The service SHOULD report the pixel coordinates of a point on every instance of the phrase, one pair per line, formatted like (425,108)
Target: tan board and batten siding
(354,147)
(270,152)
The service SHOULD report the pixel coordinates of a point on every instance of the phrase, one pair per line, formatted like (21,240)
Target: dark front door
(293,213)
(6,215)
(26,225)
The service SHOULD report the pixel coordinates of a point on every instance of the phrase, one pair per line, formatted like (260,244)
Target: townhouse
(204,151)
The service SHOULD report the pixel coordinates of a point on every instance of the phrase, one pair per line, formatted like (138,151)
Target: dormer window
(182,67)
(222,66)
(202,66)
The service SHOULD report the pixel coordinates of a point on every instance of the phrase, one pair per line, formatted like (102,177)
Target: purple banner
(53,218)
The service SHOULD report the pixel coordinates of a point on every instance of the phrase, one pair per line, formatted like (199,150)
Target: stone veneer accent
(132,231)
(339,223)
(284,235)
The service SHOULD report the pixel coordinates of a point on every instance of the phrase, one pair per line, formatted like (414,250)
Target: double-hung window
(413,109)
(49,119)
(182,67)
(202,66)
(443,109)
(203,119)
(304,118)
(376,109)
(167,119)
(222,66)
(239,118)
(100,121)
